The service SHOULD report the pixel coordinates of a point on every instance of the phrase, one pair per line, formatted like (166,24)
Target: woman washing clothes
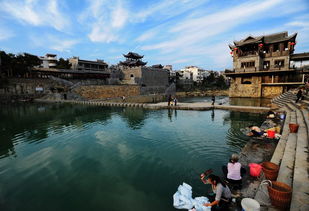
(222,197)
(255,131)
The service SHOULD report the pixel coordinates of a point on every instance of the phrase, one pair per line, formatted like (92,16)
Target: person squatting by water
(233,172)
(222,194)
(299,95)
(255,131)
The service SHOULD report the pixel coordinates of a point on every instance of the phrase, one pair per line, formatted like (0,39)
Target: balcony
(248,53)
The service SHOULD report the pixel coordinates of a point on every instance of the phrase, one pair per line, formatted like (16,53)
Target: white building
(168,67)
(49,60)
(194,73)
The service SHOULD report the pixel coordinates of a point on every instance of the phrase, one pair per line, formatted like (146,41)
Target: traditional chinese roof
(132,63)
(265,39)
(133,55)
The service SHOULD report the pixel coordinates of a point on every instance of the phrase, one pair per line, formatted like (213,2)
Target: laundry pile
(183,199)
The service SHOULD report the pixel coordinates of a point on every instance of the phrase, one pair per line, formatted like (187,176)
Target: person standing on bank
(175,101)
(299,95)
(213,99)
(222,192)
(169,100)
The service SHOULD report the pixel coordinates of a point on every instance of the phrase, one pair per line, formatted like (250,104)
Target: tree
(6,66)
(221,83)
(23,63)
(63,64)
(211,78)
(17,65)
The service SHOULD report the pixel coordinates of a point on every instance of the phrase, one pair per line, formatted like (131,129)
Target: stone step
(287,163)
(279,151)
(300,195)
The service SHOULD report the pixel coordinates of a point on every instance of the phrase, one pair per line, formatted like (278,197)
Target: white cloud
(206,37)
(53,42)
(37,13)
(166,9)
(108,19)
(147,35)
(105,19)
(5,33)
(195,30)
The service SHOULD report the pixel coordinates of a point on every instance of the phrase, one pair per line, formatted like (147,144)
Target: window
(279,63)
(266,65)
(132,76)
(246,80)
(247,64)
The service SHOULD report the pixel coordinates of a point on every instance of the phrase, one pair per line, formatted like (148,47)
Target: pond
(74,157)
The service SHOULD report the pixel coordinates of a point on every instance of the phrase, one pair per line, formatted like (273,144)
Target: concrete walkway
(200,106)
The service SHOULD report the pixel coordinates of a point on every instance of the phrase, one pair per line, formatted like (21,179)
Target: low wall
(108,91)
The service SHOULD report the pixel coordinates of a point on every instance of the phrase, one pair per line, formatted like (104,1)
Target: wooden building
(261,66)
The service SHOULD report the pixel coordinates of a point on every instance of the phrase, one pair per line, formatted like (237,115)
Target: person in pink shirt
(234,172)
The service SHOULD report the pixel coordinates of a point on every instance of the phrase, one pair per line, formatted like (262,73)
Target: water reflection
(212,114)
(134,117)
(111,158)
(261,102)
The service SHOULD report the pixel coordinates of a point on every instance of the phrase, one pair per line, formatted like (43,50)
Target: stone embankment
(291,154)
(292,150)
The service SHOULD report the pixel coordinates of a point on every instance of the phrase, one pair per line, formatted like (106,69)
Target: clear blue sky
(177,32)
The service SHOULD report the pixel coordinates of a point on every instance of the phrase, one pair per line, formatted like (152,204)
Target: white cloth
(183,199)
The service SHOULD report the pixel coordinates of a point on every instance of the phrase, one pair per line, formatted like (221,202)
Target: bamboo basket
(270,170)
(280,194)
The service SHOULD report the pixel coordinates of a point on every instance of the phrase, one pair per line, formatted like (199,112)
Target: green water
(69,157)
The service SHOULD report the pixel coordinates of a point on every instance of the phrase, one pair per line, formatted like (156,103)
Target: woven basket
(280,194)
(270,170)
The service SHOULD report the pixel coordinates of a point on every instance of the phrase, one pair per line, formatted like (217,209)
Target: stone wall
(271,91)
(238,89)
(154,80)
(107,91)
(25,86)
(132,75)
